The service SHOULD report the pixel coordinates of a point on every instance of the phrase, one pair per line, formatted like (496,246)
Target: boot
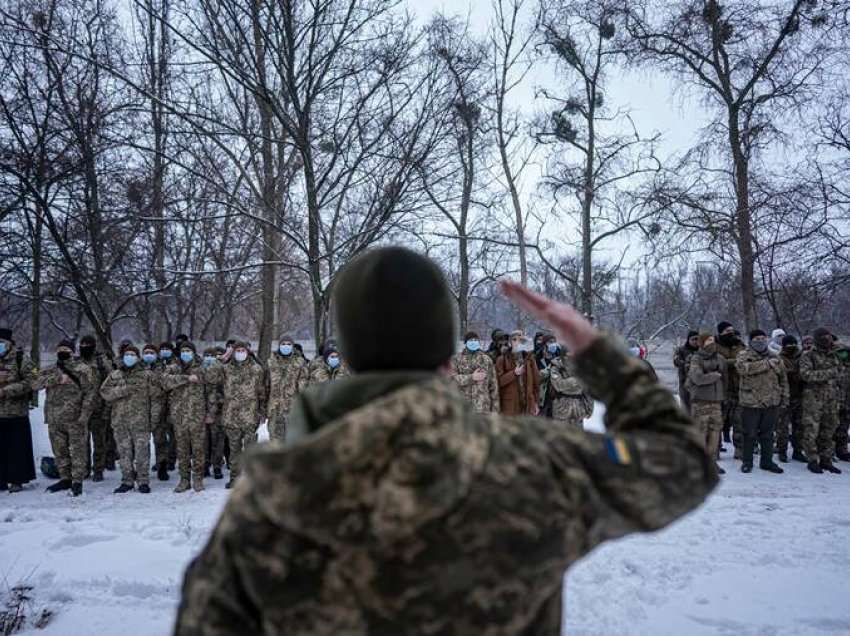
(720,471)
(76,489)
(828,467)
(62,484)
(815,467)
(726,436)
(206,471)
(110,465)
(843,455)
(145,489)
(198,485)
(798,456)
(183,486)
(773,468)
(13,488)
(98,475)
(783,456)
(746,468)
(123,488)
(162,473)
(217,473)
(739,454)
(230,483)
(172,465)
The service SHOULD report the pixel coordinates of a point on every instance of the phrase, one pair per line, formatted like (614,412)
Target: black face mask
(825,343)
(63,356)
(727,339)
(86,351)
(790,350)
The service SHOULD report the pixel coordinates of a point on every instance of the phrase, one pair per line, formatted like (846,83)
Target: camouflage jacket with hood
(409,512)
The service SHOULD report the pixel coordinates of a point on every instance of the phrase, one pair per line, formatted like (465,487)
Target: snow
(767,554)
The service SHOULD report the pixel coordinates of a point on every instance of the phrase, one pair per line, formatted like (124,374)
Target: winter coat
(707,377)
(135,396)
(517,394)
(285,378)
(17,372)
(763,382)
(71,402)
(484,396)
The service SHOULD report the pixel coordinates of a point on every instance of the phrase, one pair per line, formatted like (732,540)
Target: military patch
(618,451)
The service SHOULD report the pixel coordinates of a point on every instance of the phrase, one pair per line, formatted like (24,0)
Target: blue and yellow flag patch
(618,451)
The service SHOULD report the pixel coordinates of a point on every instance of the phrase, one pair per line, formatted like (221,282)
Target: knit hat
(384,296)
(787,341)
(166,345)
(149,347)
(755,333)
(188,344)
(691,334)
(470,335)
(5,333)
(67,343)
(211,351)
(286,338)
(88,339)
(130,348)
(703,336)
(723,326)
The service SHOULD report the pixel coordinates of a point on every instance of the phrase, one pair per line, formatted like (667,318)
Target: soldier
(388,520)
(706,385)
(571,404)
(242,385)
(775,344)
(499,344)
(819,371)
(214,425)
(70,402)
(842,452)
(187,403)
(164,438)
(790,417)
(286,376)
(135,395)
(729,346)
(519,379)
(329,366)
(808,343)
(99,428)
(16,375)
(682,362)
(475,374)
(763,390)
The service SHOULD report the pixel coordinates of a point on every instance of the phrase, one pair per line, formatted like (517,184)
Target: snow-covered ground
(766,555)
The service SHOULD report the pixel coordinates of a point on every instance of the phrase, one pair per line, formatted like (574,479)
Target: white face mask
(241,356)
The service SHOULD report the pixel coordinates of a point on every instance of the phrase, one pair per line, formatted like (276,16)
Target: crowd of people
(203,409)
(767,393)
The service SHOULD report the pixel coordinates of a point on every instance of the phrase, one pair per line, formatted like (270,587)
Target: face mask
(165,354)
(64,356)
(760,346)
(285,350)
(824,343)
(241,356)
(130,360)
(790,350)
(524,347)
(552,347)
(634,352)
(333,363)
(473,345)
(149,358)
(727,339)
(187,356)
(209,361)
(710,349)
(3,349)
(86,351)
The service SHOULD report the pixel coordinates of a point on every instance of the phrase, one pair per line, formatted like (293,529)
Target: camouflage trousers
(96,441)
(789,428)
(69,443)
(112,454)
(708,417)
(134,447)
(277,427)
(842,431)
(191,437)
(165,441)
(571,410)
(240,439)
(820,419)
(215,444)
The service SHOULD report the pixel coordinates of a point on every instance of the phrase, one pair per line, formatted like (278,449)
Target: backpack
(48,468)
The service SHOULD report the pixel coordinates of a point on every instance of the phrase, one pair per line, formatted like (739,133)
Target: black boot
(815,468)
(172,465)
(843,455)
(144,489)
(773,468)
(229,484)
(162,473)
(217,473)
(828,467)
(746,468)
(783,456)
(720,470)
(726,437)
(122,489)
(798,456)
(59,486)
(206,471)
(76,489)
(110,465)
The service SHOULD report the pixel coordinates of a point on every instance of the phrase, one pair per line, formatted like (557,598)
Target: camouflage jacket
(484,396)
(792,370)
(69,402)
(682,362)
(100,369)
(731,356)
(187,401)
(135,396)
(569,397)
(286,376)
(409,512)
(15,384)
(819,371)
(762,381)
(243,392)
(320,371)
(707,377)
(157,369)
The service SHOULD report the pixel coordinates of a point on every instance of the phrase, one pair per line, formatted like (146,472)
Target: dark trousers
(759,424)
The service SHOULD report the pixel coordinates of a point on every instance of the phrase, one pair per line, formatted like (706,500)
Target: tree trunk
(743,223)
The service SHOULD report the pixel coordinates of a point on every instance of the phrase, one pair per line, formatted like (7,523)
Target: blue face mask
(187,356)
(552,347)
(634,352)
(473,345)
(285,350)
(333,363)
(3,349)
(130,360)
(209,361)
(149,358)
(165,354)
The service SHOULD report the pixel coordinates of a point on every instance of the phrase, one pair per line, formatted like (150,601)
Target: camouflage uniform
(187,404)
(286,376)
(99,420)
(413,513)
(819,370)
(243,389)
(484,396)
(67,412)
(17,373)
(164,436)
(15,384)
(215,427)
(682,362)
(789,426)
(135,396)
(322,372)
(705,383)
(571,405)
(762,391)
(731,408)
